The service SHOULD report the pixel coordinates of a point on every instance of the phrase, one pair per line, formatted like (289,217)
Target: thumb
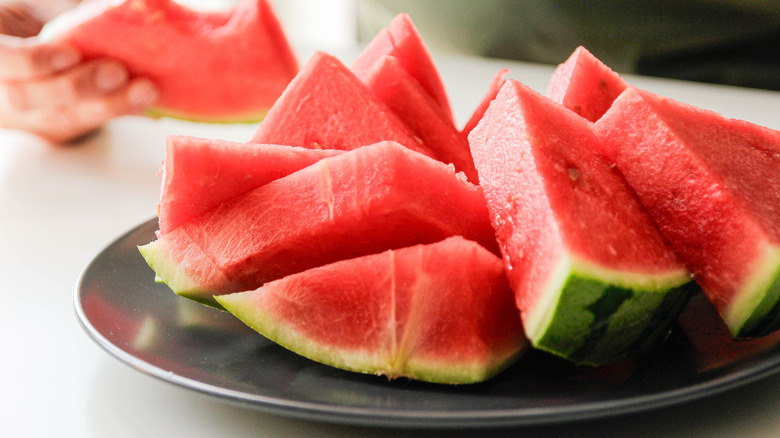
(27,58)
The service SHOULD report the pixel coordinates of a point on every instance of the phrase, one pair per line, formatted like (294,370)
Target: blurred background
(735,42)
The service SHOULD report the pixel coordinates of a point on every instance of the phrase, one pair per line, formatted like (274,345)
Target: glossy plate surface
(148,327)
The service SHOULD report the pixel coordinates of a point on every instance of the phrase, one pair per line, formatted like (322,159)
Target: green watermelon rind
(365,362)
(159,112)
(755,311)
(596,316)
(167,271)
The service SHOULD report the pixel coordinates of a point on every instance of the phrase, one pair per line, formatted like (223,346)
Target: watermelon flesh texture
(407,99)
(711,185)
(495,86)
(199,174)
(585,85)
(327,106)
(401,40)
(364,201)
(595,281)
(188,54)
(441,313)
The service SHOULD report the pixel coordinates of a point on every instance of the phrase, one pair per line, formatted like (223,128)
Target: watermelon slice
(479,111)
(585,85)
(327,106)
(712,186)
(364,201)
(595,281)
(441,313)
(199,174)
(404,96)
(188,54)
(402,41)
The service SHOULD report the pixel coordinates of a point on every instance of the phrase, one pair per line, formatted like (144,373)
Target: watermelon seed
(574,174)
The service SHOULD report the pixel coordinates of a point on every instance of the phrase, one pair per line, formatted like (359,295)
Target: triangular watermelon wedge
(327,107)
(713,187)
(404,96)
(360,202)
(220,66)
(199,174)
(595,281)
(441,313)
(585,85)
(401,40)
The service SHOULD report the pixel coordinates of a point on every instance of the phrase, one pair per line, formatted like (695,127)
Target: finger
(61,125)
(18,18)
(84,81)
(25,58)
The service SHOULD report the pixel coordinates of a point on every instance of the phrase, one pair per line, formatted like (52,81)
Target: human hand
(47,90)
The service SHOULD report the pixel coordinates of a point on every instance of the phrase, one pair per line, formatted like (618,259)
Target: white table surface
(59,206)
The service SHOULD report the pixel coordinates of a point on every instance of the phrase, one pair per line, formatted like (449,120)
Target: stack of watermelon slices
(704,188)
(347,229)
(360,228)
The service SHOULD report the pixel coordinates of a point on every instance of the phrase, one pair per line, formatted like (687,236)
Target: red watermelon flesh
(188,54)
(441,312)
(675,160)
(402,41)
(327,106)
(745,155)
(585,85)
(199,174)
(479,111)
(549,191)
(567,224)
(364,201)
(404,96)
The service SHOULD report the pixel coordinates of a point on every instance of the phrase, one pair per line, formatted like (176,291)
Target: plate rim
(406,418)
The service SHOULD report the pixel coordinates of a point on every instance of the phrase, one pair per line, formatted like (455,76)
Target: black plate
(148,327)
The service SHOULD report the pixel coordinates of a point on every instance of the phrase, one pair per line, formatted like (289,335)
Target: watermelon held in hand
(440,313)
(364,201)
(713,187)
(199,174)
(188,54)
(585,85)
(595,281)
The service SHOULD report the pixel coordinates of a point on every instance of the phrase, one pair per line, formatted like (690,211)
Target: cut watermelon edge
(756,309)
(443,372)
(169,273)
(640,311)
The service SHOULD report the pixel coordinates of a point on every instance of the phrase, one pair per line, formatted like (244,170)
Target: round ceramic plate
(145,325)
